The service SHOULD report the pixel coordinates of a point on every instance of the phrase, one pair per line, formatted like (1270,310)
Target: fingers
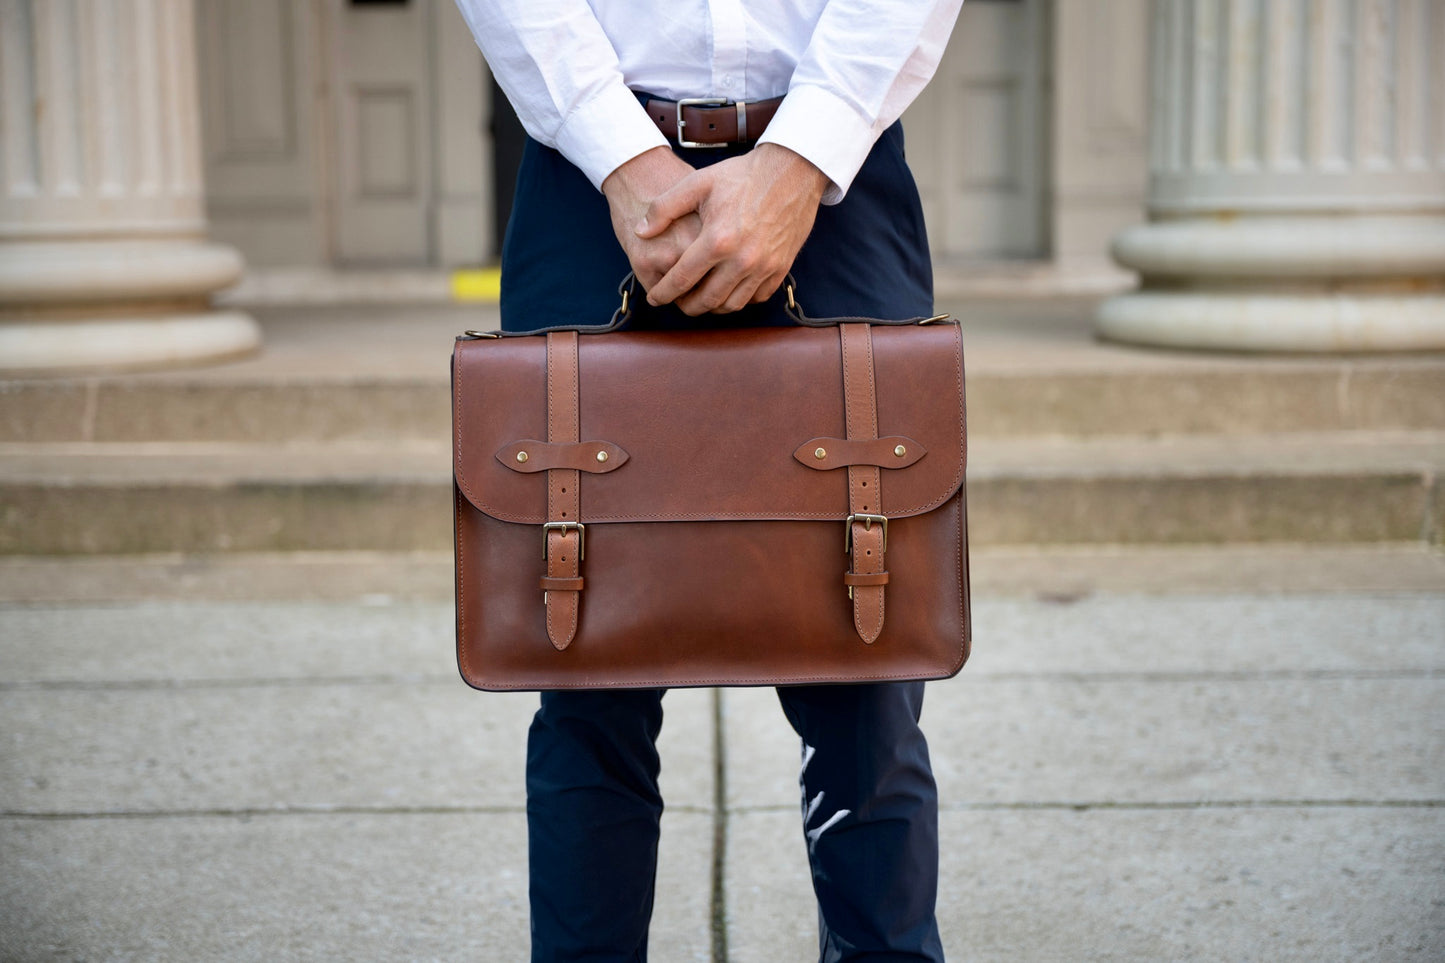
(718,273)
(770,286)
(683,276)
(651,259)
(721,292)
(684,197)
(753,222)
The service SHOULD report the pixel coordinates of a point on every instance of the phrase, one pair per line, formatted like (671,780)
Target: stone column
(104,261)
(1297,191)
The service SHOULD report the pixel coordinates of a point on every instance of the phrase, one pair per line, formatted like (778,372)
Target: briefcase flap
(710,425)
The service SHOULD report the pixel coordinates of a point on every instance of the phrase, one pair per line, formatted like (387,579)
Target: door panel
(258,82)
(383,156)
(975,136)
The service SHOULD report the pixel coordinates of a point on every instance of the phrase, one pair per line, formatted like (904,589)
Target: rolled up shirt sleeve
(561,74)
(864,64)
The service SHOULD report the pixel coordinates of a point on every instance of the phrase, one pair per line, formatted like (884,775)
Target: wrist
(789,166)
(646,175)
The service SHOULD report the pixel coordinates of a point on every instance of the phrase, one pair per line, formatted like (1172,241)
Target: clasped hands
(716,239)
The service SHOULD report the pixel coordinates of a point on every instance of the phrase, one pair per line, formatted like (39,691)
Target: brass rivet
(820,453)
(900,451)
(602,456)
(521,456)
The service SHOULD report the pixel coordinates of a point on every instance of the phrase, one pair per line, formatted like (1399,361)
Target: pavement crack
(1065,805)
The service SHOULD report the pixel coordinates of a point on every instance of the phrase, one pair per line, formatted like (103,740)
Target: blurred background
(1198,251)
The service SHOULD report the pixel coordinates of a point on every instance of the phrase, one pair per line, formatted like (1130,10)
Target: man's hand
(756,213)
(629,191)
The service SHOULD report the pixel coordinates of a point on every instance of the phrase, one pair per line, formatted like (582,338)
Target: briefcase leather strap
(866,536)
(563,535)
(627,291)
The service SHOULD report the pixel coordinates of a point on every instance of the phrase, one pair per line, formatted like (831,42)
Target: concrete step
(1030,397)
(378,373)
(1062,574)
(1338,487)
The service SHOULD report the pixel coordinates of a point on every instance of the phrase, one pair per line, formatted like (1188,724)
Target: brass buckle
(566,527)
(867,521)
(696,102)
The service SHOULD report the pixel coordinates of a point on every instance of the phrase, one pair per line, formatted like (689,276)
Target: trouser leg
(870,820)
(593,812)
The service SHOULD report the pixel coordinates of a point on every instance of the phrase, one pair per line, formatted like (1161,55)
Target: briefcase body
(767,506)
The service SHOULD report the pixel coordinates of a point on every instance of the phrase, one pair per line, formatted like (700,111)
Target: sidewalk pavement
(1230,754)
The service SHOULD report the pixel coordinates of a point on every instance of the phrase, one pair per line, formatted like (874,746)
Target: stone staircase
(336,439)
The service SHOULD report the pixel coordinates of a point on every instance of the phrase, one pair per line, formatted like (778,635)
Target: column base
(80,345)
(1259,321)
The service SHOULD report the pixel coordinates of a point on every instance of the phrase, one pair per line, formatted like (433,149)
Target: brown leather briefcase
(754,506)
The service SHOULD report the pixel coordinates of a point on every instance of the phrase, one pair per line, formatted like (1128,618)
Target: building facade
(1273,171)
(366,134)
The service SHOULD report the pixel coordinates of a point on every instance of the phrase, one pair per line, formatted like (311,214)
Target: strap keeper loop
(548,584)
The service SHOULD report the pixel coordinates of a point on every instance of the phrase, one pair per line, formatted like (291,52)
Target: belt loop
(742,122)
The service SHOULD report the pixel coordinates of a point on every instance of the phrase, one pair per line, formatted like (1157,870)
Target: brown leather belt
(712,121)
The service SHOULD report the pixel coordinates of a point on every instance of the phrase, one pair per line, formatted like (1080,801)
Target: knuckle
(725,241)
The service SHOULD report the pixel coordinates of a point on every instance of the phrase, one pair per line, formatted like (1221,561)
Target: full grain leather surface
(681,604)
(713,557)
(711,420)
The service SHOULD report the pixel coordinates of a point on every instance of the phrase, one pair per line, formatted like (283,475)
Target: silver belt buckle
(696,102)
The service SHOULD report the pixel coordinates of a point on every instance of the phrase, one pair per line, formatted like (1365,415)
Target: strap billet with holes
(866,537)
(563,535)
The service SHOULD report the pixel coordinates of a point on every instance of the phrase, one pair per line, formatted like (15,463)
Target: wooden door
(383,133)
(976,135)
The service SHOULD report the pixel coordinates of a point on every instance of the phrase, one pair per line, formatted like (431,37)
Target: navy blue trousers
(870,806)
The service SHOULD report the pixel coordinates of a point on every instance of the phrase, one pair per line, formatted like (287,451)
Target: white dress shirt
(848,68)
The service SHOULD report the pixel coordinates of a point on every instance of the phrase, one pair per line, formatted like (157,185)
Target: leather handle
(796,313)
(628,293)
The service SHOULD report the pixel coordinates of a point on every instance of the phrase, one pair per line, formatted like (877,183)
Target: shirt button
(728,80)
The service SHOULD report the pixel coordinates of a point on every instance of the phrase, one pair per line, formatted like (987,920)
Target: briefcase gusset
(766,506)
